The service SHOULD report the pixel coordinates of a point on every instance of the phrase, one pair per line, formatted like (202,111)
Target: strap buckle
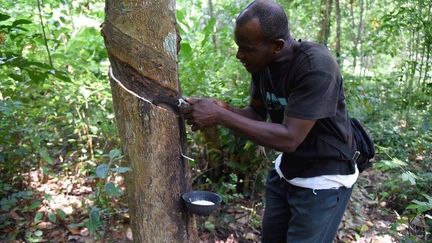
(182,102)
(356,156)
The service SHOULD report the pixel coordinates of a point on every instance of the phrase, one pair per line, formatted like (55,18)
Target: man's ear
(278,45)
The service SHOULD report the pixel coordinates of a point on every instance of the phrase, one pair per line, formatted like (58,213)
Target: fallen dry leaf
(45,225)
(75,238)
(74,231)
(232,226)
(15,216)
(84,232)
(129,233)
(57,236)
(251,236)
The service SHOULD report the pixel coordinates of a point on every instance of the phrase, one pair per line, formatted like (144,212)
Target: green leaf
(391,164)
(4,17)
(16,77)
(38,217)
(248,145)
(61,75)
(93,222)
(208,30)
(45,170)
(102,171)
(35,205)
(421,206)
(37,76)
(48,197)
(61,214)
(237,165)
(364,228)
(75,226)
(115,153)
(398,162)
(6,204)
(121,170)
(186,50)
(52,217)
(209,226)
(409,176)
(17,28)
(180,15)
(85,92)
(112,190)
(24,194)
(20,22)
(43,152)
(38,233)
(40,64)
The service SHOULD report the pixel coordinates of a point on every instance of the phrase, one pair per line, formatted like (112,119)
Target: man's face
(253,52)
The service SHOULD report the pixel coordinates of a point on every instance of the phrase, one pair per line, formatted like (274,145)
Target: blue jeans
(296,214)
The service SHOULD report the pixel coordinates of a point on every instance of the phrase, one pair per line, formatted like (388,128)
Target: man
(299,86)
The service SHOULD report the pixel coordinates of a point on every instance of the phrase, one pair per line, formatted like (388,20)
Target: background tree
(324,31)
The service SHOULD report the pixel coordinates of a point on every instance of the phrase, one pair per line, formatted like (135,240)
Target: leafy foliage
(53,118)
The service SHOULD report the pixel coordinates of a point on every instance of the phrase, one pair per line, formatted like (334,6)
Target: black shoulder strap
(349,151)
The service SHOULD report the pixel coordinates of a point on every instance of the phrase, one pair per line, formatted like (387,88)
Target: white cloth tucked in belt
(319,182)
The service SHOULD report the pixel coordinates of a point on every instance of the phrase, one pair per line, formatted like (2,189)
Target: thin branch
(338,32)
(43,32)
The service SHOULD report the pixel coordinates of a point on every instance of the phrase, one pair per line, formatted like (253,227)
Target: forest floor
(366,220)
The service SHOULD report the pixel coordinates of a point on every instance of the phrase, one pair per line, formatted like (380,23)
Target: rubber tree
(141,41)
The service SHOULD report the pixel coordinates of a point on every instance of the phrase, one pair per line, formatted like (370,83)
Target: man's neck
(286,53)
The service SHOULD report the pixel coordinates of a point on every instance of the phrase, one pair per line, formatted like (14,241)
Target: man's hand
(203,112)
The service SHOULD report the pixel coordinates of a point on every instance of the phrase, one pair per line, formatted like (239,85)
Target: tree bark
(141,40)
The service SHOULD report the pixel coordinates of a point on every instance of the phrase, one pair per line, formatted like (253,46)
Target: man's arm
(256,110)
(285,137)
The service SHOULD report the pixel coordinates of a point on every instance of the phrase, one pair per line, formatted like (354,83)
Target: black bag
(364,147)
(360,151)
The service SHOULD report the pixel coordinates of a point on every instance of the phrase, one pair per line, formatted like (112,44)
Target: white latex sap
(203,203)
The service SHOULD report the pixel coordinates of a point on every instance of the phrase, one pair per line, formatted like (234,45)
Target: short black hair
(272,18)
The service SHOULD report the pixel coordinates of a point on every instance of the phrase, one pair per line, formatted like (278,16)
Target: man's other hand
(203,112)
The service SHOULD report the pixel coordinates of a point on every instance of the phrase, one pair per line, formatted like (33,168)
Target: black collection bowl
(203,210)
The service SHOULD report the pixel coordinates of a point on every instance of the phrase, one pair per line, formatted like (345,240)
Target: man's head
(260,33)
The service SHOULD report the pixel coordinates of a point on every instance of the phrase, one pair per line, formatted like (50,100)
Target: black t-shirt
(308,85)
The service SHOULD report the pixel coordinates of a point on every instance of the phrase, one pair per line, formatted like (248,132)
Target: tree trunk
(141,40)
(363,36)
(425,77)
(428,43)
(211,14)
(324,33)
(338,32)
(357,37)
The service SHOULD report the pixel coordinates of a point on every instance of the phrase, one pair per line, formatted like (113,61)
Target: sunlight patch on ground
(376,239)
(65,193)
